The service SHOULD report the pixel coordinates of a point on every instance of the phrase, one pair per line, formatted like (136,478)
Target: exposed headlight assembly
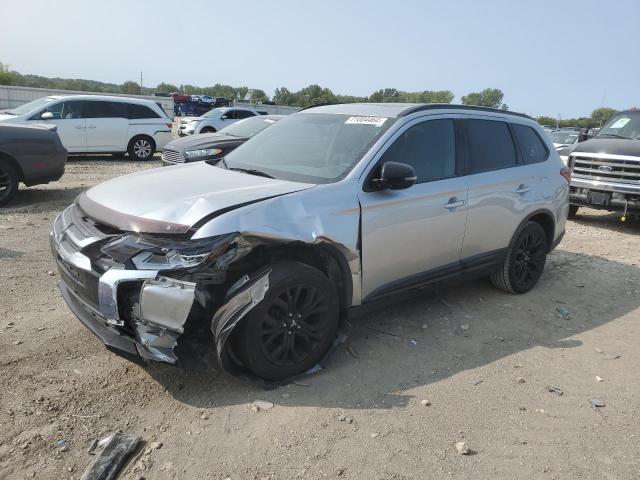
(162,253)
(203,153)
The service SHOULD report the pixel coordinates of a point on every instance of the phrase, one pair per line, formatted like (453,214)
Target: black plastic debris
(111,452)
(597,403)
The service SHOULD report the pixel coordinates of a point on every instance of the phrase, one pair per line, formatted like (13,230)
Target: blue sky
(548,57)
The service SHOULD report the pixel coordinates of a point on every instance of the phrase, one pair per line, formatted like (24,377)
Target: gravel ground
(482,360)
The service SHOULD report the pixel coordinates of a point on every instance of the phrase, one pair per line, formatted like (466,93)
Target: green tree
(166,87)
(600,116)
(131,88)
(489,97)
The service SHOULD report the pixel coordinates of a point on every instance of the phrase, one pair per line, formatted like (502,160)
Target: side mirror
(396,176)
(46,116)
(224,117)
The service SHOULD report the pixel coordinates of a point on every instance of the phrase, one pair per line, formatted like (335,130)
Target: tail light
(169,126)
(566,173)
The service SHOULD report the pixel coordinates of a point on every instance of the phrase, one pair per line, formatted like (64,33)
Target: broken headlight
(161,253)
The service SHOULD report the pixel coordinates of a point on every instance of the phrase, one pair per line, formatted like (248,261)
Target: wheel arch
(324,257)
(546,220)
(14,163)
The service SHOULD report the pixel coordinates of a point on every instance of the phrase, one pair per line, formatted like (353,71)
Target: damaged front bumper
(150,327)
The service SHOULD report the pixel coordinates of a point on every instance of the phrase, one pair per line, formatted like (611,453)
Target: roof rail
(449,106)
(317,105)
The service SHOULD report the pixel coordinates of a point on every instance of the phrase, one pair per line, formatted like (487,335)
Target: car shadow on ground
(608,220)
(435,336)
(41,200)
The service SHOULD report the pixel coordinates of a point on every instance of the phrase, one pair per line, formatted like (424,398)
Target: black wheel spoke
(294,325)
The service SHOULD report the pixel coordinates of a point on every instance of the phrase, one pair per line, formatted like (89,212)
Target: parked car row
(213,146)
(214,120)
(261,256)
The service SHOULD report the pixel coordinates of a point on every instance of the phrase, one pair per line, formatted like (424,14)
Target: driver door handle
(80,127)
(454,204)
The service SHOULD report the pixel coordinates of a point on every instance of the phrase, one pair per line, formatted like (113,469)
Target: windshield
(626,125)
(310,147)
(31,106)
(248,127)
(566,138)
(216,112)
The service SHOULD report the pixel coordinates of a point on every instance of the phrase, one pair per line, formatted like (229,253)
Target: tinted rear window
(490,146)
(531,147)
(140,111)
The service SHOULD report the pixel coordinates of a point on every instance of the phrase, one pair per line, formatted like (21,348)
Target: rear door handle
(522,189)
(91,126)
(454,204)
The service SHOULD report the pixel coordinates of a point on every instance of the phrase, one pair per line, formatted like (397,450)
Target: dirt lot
(482,358)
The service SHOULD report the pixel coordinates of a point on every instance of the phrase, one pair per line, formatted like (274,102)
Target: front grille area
(72,235)
(172,156)
(606,168)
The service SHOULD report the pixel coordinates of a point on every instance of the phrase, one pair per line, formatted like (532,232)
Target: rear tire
(8,182)
(573,211)
(524,262)
(141,148)
(293,327)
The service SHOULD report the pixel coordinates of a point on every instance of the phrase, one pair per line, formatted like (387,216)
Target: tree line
(311,95)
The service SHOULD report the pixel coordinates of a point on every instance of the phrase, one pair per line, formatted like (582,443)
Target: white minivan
(99,123)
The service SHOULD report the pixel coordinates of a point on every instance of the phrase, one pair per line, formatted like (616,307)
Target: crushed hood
(173,199)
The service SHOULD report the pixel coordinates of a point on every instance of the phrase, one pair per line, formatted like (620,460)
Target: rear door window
(531,147)
(102,109)
(490,146)
(140,111)
(429,147)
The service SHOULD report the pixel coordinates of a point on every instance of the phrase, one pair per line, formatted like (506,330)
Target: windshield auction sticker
(620,123)
(362,120)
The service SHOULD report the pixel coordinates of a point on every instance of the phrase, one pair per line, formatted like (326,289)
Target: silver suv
(262,254)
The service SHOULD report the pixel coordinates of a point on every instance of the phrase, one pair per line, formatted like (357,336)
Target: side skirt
(467,269)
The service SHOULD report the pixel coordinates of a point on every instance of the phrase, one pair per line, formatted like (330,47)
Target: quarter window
(429,147)
(490,146)
(531,147)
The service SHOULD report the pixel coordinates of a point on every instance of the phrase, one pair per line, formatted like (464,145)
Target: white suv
(99,123)
(214,120)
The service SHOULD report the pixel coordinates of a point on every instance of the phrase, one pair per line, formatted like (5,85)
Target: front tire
(8,182)
(293,327)
(525,260)
(208,130)
(141,148)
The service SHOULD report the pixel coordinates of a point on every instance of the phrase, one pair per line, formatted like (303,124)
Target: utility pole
(140,82)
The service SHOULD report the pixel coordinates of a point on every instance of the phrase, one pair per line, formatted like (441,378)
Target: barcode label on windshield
(361,120)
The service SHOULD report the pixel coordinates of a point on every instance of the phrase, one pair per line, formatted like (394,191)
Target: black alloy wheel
(524,261)
(293,327)
(529,260)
